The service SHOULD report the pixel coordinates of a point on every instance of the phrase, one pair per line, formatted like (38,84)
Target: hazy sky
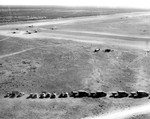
(105,3)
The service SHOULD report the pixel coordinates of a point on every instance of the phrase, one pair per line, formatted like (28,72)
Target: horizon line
(82,6)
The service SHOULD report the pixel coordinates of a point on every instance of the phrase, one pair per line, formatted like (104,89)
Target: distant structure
(108,50)
(42,95)
(63,95)
(48,95)
(147,51)
(80,94)
(104,50)
(73,93)
(53,28)
(34,96)
(35,31)
(97,94)
(138,94)
(96,50)
(30,96)
(20,94)
(53,95)
(119,94)
(30,26)
(14,94)
(147,48)
(28,32)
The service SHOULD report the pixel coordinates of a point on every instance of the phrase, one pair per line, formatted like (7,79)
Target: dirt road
(15,53)
(4,39)
(125,113)
(81,36)
(77,19)
(85,38)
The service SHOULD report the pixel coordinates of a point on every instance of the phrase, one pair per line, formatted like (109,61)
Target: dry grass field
(62,60)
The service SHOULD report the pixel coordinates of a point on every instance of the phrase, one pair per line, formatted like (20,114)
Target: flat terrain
(13,14)
(60,57)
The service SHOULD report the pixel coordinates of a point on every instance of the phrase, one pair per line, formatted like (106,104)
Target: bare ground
(57,61)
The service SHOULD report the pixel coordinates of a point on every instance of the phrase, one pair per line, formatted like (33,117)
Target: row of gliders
(78,94)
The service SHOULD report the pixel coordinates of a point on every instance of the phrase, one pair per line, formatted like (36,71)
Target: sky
(97,3)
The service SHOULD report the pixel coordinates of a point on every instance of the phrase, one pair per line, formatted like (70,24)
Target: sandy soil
(124,113)
(63,60)
(82,35)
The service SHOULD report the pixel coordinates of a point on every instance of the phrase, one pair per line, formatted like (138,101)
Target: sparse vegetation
(11,14)
(71,58)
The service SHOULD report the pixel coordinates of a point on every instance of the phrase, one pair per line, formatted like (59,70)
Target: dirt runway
(125,113)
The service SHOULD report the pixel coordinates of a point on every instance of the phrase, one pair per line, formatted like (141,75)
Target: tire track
(15,53)
(4,39)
